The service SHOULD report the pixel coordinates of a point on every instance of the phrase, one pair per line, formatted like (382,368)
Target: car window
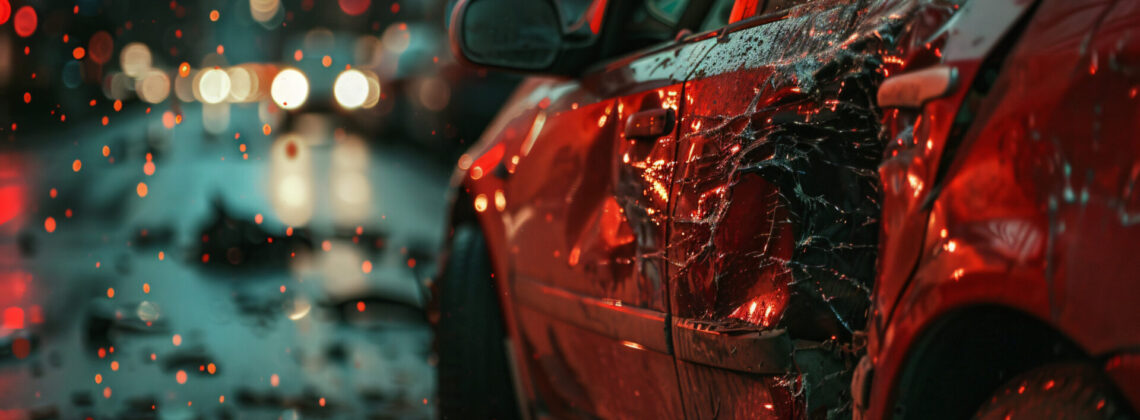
(718,15)
(667,11)
(573,11)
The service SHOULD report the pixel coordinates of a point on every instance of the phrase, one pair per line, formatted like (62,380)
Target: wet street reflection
(218,293)
(225,209)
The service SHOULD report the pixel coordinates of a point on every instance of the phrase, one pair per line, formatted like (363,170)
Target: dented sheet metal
(775,199)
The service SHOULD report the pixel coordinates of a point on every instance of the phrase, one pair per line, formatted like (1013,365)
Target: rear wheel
(474,378)
(1055,391)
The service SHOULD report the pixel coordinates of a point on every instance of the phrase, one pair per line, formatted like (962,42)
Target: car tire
(474,378)
(1056,391)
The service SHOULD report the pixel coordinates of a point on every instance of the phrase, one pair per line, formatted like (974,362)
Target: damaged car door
(585,205)
(775,208)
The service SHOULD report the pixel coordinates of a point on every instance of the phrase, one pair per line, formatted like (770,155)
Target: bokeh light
(213,86)
(135,59)
(263,11)
(25,21)
(5,11)
(290,88)
(434,93)
(243,84)
(354,7)
(100,47)
(351,89)
(153,87)
(396,38)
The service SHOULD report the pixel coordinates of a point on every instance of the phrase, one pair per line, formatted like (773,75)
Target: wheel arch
(962,356)
(462,211)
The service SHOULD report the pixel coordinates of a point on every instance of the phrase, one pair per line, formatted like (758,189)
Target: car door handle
(650,124)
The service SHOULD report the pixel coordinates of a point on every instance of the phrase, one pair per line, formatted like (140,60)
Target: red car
(797,208)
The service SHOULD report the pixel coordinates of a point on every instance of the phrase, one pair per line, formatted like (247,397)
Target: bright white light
(289,89)
(292,190)
(214,86)
(351,89)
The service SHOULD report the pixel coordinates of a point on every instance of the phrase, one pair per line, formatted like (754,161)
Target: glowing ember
(146,287)
(78,53)
(49,224)
(180,377)
(115,365)
(98,378)
(141,189)
(148,168)
(214,15)
(76,165)
(111,292)
(274,380)
(106,151)
(211,368)
(177,340)
(366,267)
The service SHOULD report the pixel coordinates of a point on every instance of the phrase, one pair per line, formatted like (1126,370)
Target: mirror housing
(523,36)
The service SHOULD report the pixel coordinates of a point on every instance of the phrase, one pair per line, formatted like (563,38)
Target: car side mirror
(523,35)
(513,34)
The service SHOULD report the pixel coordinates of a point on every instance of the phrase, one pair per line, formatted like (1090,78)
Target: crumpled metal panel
(776,199)
(776,196)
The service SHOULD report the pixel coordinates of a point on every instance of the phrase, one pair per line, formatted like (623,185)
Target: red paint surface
(583,215)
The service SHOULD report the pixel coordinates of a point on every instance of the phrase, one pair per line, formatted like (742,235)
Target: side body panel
(582,234)
(575,216)
(1038,193)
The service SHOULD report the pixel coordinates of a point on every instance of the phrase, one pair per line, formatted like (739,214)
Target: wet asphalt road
(177,304)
